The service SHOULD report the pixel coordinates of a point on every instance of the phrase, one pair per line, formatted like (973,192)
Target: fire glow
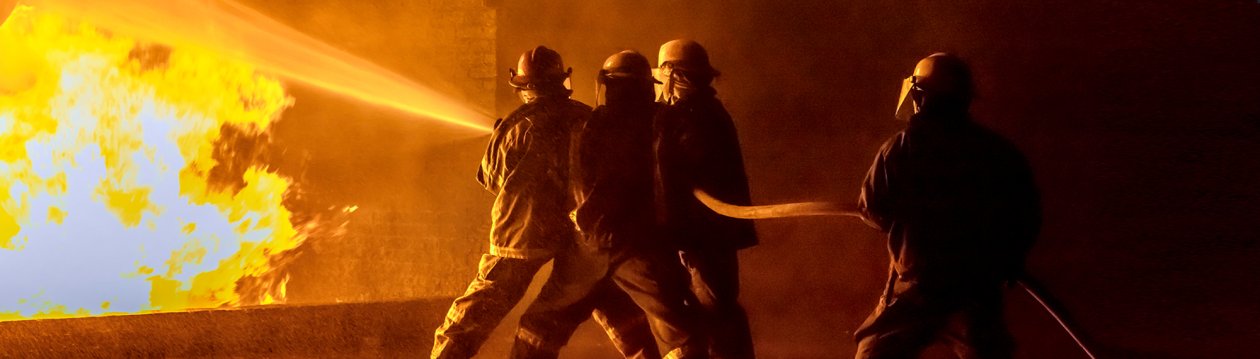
(117,194)
(235,31)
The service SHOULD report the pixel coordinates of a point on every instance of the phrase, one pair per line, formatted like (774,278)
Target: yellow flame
(111,143)
(239,32)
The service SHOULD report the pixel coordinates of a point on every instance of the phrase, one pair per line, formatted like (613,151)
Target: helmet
(939,80)
(683,68)
(626,64)
(537,67)
(685,55)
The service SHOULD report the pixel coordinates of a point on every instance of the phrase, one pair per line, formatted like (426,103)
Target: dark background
(1141,120)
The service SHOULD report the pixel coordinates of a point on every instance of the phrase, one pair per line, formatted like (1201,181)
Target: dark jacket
(612,176)
(697,147)
(957,201)
(526,167)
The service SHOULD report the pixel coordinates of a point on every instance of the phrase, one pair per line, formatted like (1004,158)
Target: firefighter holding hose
(526,167)
(960,210)
(613,185)
(697,148)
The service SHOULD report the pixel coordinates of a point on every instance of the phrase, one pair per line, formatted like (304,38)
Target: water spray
(236,31)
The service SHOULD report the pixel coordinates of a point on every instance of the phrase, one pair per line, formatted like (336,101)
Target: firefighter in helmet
(612,181)
(526,167)
(697,147)
(960,210)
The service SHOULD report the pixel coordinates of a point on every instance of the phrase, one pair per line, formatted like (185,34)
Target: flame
(238,32)
(127,179)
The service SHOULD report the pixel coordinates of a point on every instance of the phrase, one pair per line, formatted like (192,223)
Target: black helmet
(628,64)
(941,81)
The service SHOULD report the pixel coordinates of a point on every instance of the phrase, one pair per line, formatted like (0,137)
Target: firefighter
(526,168)
(960,210)
(612,180)
(697,148)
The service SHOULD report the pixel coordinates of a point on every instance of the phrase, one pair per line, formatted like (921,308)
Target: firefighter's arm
(1026,212)
(514,154)
(711,153)
(875,201)
(585,150)
(508,148)
(485,169)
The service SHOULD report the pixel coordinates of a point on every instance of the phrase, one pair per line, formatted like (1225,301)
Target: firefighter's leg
(623,320)
(499,285)
(562,304)
(979,330)
(658,284)
(900,328)
(715,282)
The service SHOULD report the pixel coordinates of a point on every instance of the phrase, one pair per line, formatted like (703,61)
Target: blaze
(131,178)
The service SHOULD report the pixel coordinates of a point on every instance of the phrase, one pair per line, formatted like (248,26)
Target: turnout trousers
(499,285)
(715,282)
(653,279)
(911,316)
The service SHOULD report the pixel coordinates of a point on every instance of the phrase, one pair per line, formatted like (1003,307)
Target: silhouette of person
(960,210)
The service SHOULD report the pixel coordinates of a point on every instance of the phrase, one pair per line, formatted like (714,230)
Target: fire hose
(801,209)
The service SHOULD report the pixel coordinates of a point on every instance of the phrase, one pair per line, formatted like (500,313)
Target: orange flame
(116,195)
(238,32)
